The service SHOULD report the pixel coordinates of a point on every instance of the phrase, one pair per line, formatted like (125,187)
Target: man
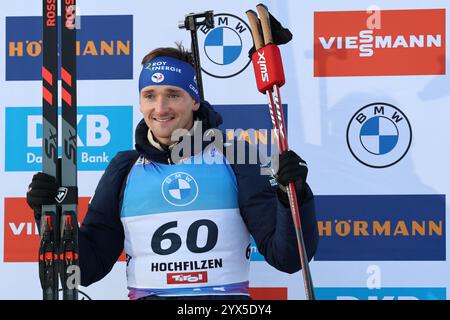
(185,224)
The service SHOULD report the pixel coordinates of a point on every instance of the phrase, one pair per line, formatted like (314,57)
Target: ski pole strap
(268,68)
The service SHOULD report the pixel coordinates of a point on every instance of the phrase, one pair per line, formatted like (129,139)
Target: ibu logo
(179,189)
(226,46)
(379,135)
(102,132)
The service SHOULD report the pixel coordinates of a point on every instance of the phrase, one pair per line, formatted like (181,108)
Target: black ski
(48,251)
(69,220)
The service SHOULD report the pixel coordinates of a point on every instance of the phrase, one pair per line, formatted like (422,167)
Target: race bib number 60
(173,241)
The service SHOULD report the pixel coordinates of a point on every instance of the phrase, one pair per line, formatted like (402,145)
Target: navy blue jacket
(101,235)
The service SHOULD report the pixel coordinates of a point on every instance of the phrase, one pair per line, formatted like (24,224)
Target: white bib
(183,228)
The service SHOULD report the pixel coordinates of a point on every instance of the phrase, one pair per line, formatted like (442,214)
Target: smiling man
(185,227)
(168,94)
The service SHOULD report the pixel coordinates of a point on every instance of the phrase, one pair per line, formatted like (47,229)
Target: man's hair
(179,53)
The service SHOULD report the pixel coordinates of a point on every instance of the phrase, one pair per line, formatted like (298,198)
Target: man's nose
(160,105)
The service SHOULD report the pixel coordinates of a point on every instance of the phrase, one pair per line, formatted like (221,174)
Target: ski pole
(270,77)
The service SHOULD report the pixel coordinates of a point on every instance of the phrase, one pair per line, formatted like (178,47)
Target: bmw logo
(379,135)
(179,189)
(225,47)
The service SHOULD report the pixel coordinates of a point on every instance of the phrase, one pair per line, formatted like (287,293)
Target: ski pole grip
(265,23)
(268,68)
(255,28)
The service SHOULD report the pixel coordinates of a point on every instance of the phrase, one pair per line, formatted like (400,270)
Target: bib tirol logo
(377,43)
(225,48)
(379,135)
(179,189)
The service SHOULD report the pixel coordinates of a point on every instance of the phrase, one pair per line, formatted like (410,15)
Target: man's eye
(173,96)
(149,96)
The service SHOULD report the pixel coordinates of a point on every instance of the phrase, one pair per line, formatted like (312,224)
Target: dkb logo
(102,132)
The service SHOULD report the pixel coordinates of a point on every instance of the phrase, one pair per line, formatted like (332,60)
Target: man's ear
(196,106)
(140,105)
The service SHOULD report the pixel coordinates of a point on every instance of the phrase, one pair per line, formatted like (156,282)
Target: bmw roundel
(379,135)
(224,48)
(179,189)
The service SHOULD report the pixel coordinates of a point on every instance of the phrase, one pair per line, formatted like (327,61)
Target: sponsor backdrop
(367,94)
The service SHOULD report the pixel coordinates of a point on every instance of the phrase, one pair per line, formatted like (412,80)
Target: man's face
(165,109)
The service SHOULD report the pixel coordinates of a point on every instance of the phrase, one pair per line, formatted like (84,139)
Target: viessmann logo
(396,44)
(102,132)
(103,53)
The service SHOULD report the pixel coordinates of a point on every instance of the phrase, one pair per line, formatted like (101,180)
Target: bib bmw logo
(179,189)
(225,47)
(379,135)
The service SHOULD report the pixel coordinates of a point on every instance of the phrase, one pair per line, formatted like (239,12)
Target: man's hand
(42,191)
(291,168)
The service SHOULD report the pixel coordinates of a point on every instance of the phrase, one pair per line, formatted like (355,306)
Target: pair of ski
(58,250)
